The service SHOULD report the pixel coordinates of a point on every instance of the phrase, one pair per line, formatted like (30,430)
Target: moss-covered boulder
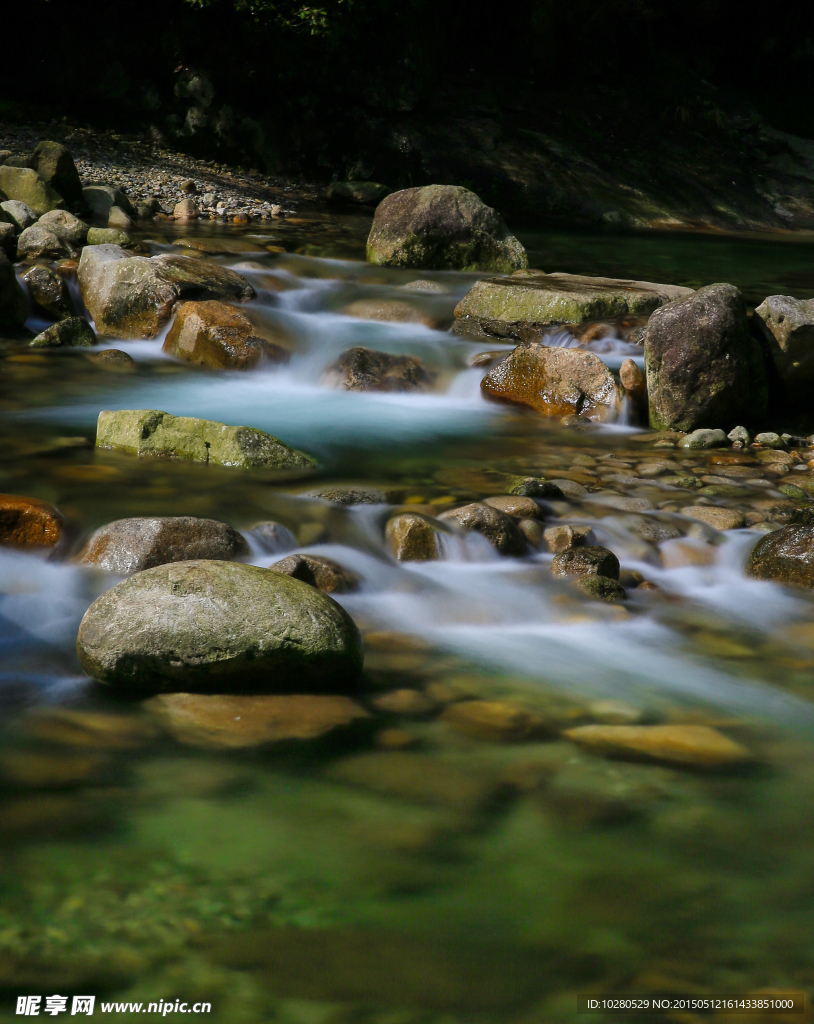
(73,332)
(108,236)
(525,305)
(704,367)
(54,164)
(133,296)
(219,627)
(442,227)
(26,186)
(151,432)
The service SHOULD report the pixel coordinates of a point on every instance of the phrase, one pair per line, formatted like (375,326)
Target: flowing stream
(455,879)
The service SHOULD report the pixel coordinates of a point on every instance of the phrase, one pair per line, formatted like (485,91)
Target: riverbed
(431,874)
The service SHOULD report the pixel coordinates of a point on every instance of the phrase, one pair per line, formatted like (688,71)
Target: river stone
(113,359)
(230,722)
(516,505)
(131,545)
(108,236)
(100,198)
(442,227)
(13,300)
(27,522)
(717,517)
(524,306)
(219,336)
(219,627)
(696,746)
(54,164)
(38,242)
(600,588)
(388,311)
(499,529)
(769,439)
(20,214)
(118,219)
(534,487)
(702,363)
(151,432)
(358,193)
(26,186)
(362,369)
(73,332)
(65,226)
(566,538)
(273,537)
(133,296)
(494,720)
(633,381)
(704,439)
(411,538)
(323,573)
(786,556)
(553,381)
(586,560)
(49,292)
(788,326)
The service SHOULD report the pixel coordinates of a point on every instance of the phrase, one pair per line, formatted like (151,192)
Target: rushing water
(455,879)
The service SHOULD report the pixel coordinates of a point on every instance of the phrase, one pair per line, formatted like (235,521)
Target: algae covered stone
(26,186)
(219,627)
(442,227)
(152,432)
(73,332)
(510,307)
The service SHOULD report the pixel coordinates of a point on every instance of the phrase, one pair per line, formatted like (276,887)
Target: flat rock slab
(696,746)
(507,306)
(152,432)
(219,627)
(231,722)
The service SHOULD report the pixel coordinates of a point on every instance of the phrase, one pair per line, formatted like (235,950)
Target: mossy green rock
(26,186)
(442,227)
(219,627)
(73,332)
(108,236)
(151,432)
(509,306)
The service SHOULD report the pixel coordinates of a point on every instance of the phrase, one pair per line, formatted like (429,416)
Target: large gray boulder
(151,432)
(26,186)
(131,545)
(785,556)
(38,242)
(13,300)
(219,627)
(101,198)
(442,227)
(54,164)
(525,305)
(65,226)
(788,326)
(133,296)
(554,382)
(19,214)
(704,368)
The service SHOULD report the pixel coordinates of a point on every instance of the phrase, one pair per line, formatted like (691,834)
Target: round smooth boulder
(497,527)
(590,560)
(132,545)
(442,227)
(785,556)
(219,627)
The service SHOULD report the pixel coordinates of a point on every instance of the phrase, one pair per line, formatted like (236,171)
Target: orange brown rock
(28,523)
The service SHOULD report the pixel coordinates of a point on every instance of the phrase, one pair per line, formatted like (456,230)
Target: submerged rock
(233,722)
(411,538)
(323,573)
(133,296)
(494,720)
(73,332)
(273,537)
(712,515)
(54,164)
(523,307)
(362,369)
(25,186)
(601,588)
(151,432)
(696,746)
(785,556)
(498,528)
(49,292)
(210,626)
(131,545)
(28,523)
(113,359)
(553,381)
(442,227)
(586,560)
(356,193)
(219,336)
(703,365)
(388,311)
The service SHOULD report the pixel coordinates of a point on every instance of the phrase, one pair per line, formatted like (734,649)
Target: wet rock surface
(362,369)
(323,573)
(49,293)
(28,523)
(218,627)
(695,746)
(411,538)
(131,545)
(73,332)
(219,336)
(786,556)
(498,528)
(586,560)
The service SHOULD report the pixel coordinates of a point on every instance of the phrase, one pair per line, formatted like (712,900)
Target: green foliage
(288,14)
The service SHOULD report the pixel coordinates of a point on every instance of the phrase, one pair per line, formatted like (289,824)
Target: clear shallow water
(458,878)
